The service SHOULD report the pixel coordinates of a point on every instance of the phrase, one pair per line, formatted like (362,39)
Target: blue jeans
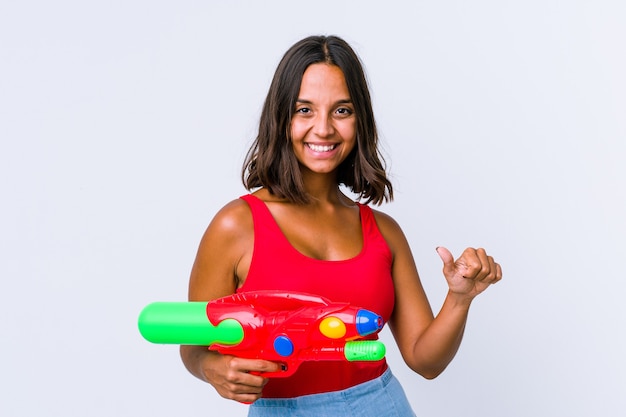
(380,397)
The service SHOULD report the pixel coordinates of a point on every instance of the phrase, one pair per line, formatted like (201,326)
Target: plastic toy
(287,328)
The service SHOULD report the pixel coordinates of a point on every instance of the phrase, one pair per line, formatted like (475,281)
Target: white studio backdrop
(123,126)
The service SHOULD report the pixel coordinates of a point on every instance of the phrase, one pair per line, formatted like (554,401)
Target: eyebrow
(343,101)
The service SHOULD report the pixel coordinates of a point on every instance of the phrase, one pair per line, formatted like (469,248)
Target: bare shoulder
(228,240)
(390,229)
(384,219)
(232,219)
(231,232)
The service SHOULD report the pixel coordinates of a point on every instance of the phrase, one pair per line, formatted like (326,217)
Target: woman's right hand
(232,377)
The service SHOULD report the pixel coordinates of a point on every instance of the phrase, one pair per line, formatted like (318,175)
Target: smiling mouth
(321,148)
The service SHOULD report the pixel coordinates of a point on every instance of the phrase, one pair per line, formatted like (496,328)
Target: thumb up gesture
(471,273)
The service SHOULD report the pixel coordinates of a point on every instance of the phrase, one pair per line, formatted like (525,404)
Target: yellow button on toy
(333,328)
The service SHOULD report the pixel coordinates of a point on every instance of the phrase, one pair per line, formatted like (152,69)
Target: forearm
(440,341)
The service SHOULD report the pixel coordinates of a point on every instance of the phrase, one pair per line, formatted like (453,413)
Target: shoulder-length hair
(271,162)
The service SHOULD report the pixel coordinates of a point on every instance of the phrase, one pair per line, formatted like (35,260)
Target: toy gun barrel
(185,323)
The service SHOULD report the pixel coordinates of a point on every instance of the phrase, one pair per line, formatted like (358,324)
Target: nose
(323,126)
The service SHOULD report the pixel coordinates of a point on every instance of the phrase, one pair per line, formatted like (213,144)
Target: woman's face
(323,128)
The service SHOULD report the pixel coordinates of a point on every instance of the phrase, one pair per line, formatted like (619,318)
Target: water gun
(288,328)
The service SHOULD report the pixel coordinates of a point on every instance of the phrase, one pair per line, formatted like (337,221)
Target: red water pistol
(284,327)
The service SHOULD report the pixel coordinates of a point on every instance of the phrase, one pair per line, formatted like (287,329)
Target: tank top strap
(261,215)
(373,239)
(365,212)
(257,206)
(267,233)
(368,222)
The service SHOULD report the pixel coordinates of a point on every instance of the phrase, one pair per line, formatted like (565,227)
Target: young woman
(298,232)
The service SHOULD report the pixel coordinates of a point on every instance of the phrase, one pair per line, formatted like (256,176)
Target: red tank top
(364,281)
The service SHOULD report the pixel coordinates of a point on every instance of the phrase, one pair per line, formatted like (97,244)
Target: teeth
(321,148)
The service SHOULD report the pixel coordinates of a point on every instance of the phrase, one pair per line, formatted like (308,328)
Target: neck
(322,187)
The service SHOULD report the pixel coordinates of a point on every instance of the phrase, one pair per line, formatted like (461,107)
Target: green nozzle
(364,350)
(186,323)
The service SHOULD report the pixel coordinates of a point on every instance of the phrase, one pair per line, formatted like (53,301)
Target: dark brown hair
(271,163)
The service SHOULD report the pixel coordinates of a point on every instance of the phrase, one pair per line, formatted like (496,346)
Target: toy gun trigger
(286,369)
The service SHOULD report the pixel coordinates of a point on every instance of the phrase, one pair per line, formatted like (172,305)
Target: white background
(123,126)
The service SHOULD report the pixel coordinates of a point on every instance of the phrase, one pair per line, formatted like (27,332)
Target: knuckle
(232,377)
(232,374)
(234,362)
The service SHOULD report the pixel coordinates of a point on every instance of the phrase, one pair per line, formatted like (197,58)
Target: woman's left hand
(472,273)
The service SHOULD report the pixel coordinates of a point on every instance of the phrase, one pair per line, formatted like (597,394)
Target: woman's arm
(429,343)
(221,264)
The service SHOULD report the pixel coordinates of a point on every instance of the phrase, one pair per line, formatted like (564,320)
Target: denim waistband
(342,395)
(386,377)
(382,396)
